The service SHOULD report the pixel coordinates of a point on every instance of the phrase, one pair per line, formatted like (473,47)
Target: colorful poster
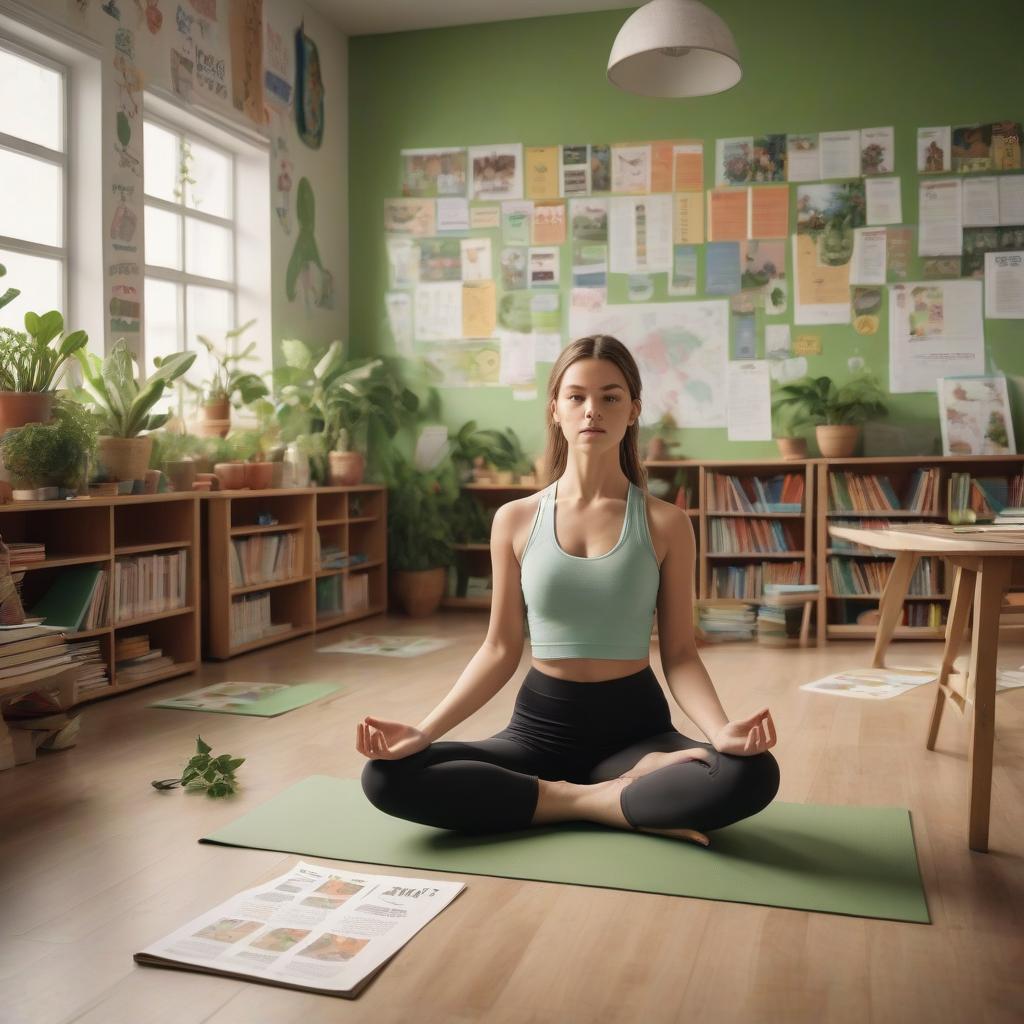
(662,162)
(548,223)
(589,219)
(246,36)
(600,168)
(516,222)
(683,279)
(803,158)
(631,169)
(769,158)
(822,292)
(640,234)
(479,309)
(278,66)
(728,214)
(513,269)
(434,172)
(574,170)
(722,268)
(933,150)
(1006,146)
(764,267)
(974,413)
(409,217)
(543,267)
(769,212)
(734,160)
(309,90)
(971,148)
(877,147)
(465,364)
(541,172)
(440,259)
(688,167)
(688,218)
(497,171)
(476,259)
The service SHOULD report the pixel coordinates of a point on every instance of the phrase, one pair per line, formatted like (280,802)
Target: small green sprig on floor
(214,774)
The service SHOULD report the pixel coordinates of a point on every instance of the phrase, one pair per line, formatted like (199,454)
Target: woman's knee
(755,779)
(383,783)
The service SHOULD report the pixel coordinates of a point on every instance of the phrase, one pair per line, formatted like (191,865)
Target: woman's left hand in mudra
(746,736)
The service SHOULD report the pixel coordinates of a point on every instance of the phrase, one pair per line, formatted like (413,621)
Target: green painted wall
(807,67)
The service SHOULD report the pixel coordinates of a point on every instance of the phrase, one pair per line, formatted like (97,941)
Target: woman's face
(593,406)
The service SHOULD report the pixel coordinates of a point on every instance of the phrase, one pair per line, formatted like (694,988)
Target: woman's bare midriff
(585,670)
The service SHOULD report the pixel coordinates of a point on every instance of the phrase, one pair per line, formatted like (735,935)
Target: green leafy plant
(817,400)
(123,405)
(28,360)
(324,402)
(499,448)
(53,454)
(214,774)
(227,380)
(419,516)
(11,293)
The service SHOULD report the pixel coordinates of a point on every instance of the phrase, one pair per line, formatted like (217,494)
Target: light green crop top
(600,607)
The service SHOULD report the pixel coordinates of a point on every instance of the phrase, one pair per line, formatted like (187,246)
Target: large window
(33,182)
(191,280)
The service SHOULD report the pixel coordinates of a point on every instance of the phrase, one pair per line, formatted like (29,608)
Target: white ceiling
(368,17)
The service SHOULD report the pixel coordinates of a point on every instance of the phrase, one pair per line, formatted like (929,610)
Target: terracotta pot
(20,407)
(231,475)
(182,475)
(211,480)
(792,447)
(125,458)
(419,593)
(259,475)
(213,428)
(503,477)
(657,450)
(152,479)
(837,442)
(345,469)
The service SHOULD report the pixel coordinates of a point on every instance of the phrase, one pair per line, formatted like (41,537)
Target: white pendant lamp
(674,48)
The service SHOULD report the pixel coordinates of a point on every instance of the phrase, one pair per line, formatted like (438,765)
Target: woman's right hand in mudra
(377,738)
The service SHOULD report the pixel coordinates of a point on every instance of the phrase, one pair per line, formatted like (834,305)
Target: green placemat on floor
(265,700)
(840,860)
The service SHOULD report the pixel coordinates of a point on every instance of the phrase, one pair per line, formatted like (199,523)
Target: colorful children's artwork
(972,148)
(409,217)
(434,172)
(309,90)
(734,161)
(497,171)
(305,266)
(974,413)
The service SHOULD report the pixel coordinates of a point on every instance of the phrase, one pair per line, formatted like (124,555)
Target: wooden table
(983,561)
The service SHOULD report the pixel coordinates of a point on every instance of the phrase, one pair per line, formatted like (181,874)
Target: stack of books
(31,654)
(781,613)
(1011,515)
(721,621)
(748,581)
(25,553)
(134,659)
(92,674)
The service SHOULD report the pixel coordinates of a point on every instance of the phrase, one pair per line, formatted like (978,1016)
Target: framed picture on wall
(974,414)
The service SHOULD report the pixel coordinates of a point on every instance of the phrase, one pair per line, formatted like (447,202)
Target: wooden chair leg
(892,603)
(805,623)
(992,582)
(956,622)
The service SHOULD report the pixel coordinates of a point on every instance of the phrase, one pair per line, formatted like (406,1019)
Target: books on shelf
(787,595)
(265,558)
(852,577)
(74,600)
(250,619)
(25,552)
(92,675)
(783,492)
(146,584)
(747,581)
(355,592)
(739,536)
(919,614)
(874,492)
(326,555)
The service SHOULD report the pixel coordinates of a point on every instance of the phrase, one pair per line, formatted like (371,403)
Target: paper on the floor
(388,646)
(313,928)
(871,683)
(262,700)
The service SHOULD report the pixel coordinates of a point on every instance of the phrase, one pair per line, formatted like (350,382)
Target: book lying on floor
(313,928)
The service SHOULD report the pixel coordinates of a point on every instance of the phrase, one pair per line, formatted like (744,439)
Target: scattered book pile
(265,558)
(77,600)
(783,493)
(738,536)
(31,654)
(92,675)
(873,492)
(748,581)
(860,577)
(722,621)
(26,552)
(250,619)
(144,584)
(781,613)
(134,659)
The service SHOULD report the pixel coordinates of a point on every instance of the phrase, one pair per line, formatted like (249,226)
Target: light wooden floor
(94,865)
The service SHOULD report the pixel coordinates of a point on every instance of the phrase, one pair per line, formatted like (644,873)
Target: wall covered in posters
(234,58)
(566,176)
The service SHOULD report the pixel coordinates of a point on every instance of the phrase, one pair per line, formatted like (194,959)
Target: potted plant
(419,535)
(31,364)
(837,412)
(324,401)
(228,384)
(659,447)
(788,423)
(124,405)
(44,457)
(498,449)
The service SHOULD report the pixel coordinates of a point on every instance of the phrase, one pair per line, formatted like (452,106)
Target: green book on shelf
(68,598)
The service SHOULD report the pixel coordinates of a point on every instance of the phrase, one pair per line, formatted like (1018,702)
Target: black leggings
(578,732)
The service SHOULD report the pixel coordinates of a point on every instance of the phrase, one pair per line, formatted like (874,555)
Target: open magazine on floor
(313,928)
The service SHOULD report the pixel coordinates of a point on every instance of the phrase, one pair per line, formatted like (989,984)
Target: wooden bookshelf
(99,531)
(353,519)
(834,609)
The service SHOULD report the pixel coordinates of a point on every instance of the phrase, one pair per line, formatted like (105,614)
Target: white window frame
(44,154)
(181,209)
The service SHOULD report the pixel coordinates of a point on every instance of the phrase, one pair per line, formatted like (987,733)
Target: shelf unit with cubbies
(859,491)
(102,532)
(238,601)
(726,522)
(352,520)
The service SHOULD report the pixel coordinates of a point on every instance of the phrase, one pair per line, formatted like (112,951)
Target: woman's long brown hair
(597,346)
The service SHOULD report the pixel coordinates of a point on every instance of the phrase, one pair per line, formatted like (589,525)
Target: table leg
(992,582)
(956,623)
(892,603)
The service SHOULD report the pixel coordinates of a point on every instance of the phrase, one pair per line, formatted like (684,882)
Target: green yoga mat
(277,703)
(840,860)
